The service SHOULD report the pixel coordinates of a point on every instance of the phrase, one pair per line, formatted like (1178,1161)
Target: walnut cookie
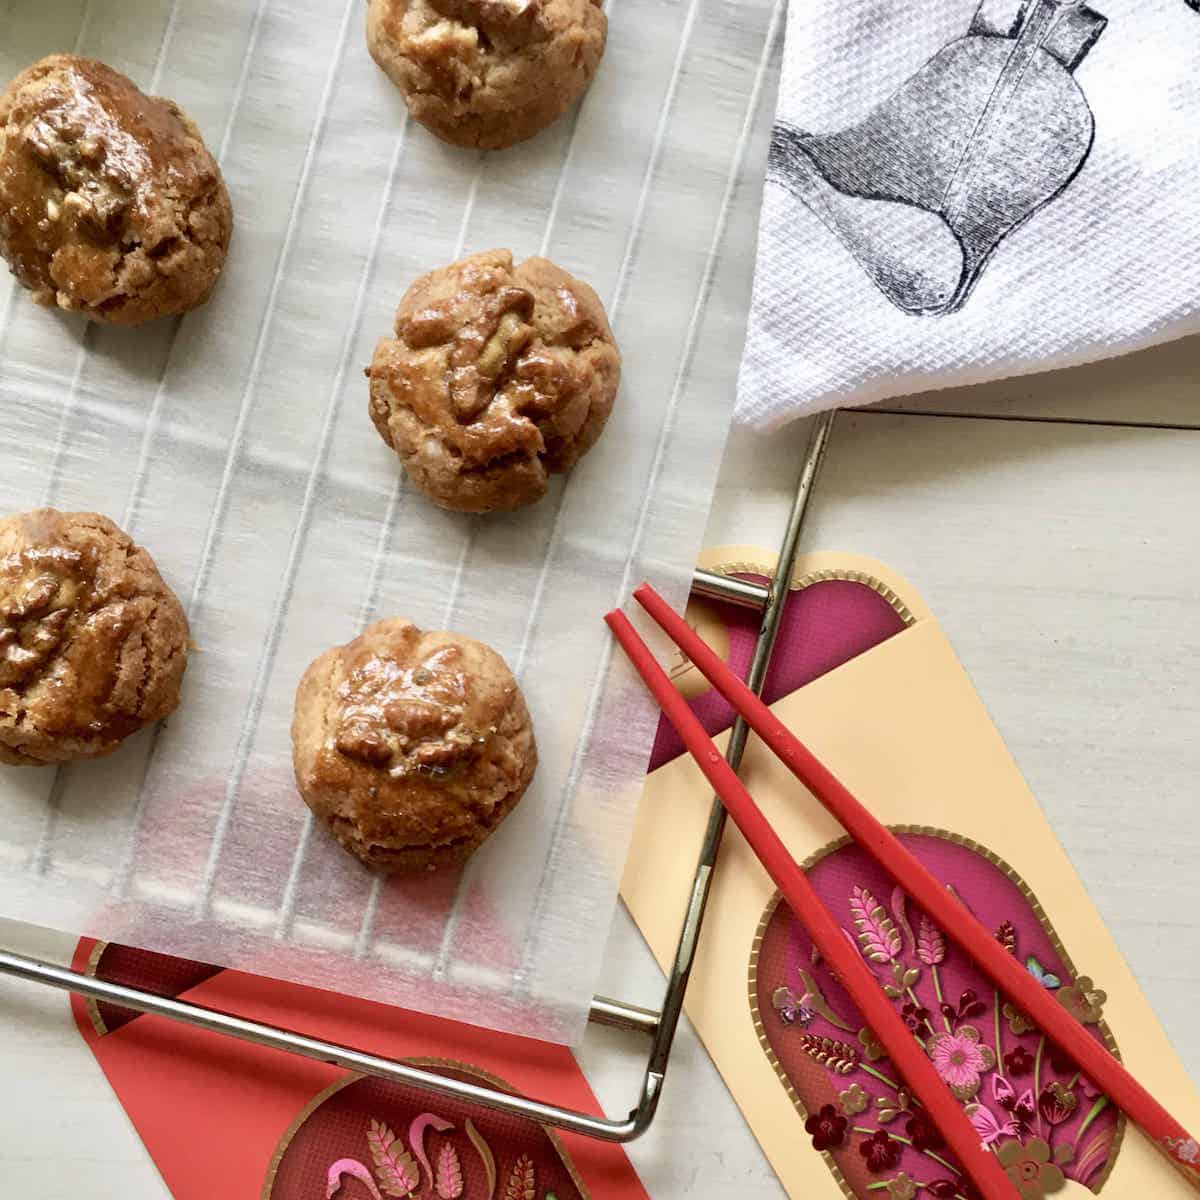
(487,73)
(411,747)
(93,644)
(497,377)
(110,203)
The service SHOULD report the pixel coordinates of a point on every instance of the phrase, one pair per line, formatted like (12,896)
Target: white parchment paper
(235,445)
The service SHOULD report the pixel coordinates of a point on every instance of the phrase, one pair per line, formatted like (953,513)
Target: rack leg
(685,953)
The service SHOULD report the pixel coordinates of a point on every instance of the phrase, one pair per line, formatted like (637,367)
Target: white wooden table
(1053,524)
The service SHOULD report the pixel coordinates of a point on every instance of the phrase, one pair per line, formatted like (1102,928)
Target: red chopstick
(938,902)
(980,1164)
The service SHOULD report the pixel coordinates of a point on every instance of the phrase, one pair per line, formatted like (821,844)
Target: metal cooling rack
(651,187)
(659,1026)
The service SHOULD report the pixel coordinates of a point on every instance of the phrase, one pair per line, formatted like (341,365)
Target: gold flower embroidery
(1083,1000)
(854,1100)
(1018,1022)
(872,1049)
(1030,1168)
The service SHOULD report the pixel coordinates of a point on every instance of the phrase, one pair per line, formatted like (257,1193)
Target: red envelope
(223,1118)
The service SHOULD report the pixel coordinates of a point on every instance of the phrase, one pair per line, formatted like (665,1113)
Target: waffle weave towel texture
(962,191)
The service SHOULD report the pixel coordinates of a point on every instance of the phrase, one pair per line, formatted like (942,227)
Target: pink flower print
(960,1059)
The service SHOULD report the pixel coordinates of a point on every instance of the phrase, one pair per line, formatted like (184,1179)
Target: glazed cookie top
(487,73)
(93,644)
(416,703)
(411,742)
(497,376)
(110,203)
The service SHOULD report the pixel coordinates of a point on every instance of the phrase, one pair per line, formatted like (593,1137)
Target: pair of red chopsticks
(937,901)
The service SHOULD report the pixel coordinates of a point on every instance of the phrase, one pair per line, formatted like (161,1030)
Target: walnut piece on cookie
(497,377)
(487,73)
(93,644)
(411,747)
(110,203)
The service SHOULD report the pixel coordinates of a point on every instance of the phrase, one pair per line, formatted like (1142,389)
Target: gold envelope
(903,728)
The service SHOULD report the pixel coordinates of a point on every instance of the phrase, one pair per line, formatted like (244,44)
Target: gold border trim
(93,1008)
(293,1128)
(449,1063)
(823,575)
(1012,875)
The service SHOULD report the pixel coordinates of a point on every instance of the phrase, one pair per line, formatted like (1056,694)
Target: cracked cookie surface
(411,746)
(110,203)
(497,377)
(93,644)
(487,73)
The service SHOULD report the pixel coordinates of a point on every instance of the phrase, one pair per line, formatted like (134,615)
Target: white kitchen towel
(958,191)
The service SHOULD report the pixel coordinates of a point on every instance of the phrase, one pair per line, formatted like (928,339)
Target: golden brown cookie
(497,377)
(93,644)
(487,73)
(110,203)
(412,747)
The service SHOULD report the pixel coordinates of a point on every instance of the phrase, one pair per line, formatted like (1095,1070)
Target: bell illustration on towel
(931,181)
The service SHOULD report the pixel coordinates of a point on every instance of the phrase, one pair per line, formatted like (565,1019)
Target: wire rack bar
(729,588)
(659,1026)
(20,967)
